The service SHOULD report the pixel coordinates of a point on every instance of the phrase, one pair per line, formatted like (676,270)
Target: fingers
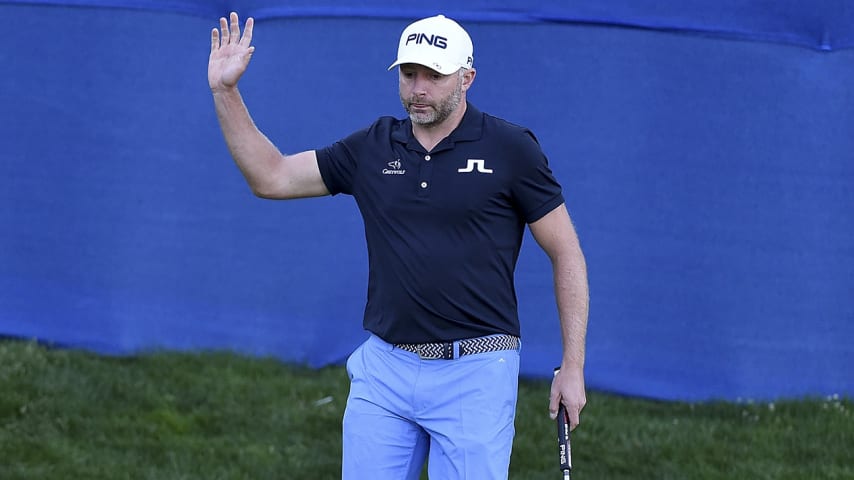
(223,27)
(574,415)
(214,39)
(574,412)
(229,32)
(234,30)
(554,402)
(246,40)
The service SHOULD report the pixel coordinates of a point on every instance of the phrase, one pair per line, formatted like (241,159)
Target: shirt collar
(469,129)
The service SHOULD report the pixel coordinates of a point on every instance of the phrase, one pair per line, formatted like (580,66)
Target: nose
(419,83)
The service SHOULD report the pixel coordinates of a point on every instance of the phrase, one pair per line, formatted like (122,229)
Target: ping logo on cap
(453,47)
(434,40)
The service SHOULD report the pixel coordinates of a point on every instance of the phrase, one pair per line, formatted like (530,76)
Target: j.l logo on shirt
(475,165)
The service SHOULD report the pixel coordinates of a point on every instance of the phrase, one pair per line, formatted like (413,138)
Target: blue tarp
(709,180)
(821,24)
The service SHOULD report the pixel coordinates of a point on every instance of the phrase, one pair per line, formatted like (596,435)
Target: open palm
(230,52)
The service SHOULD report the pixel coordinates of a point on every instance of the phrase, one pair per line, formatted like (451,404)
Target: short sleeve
(338,164)
(535,190)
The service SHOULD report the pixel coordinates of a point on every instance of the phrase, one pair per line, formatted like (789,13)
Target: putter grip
(564,450)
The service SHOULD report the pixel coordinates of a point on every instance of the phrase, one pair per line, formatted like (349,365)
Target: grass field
(73,415)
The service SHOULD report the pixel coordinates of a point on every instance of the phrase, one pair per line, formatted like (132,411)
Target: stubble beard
(440,112)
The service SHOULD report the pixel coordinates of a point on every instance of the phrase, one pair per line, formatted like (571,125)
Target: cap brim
(431,66)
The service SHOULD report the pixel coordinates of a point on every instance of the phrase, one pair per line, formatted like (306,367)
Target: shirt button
(427,157)
(423,184)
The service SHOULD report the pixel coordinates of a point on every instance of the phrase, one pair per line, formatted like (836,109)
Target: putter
(564,449)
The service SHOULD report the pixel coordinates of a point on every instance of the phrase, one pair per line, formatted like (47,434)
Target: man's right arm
(268,173)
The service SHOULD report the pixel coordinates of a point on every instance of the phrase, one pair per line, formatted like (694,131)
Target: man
(445,195)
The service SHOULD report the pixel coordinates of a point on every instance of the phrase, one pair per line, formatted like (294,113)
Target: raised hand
(230,52)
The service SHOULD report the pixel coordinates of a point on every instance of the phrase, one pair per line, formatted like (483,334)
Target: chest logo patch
(394,168)
(475,165)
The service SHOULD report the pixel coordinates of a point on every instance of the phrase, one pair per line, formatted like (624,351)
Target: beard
(441,110)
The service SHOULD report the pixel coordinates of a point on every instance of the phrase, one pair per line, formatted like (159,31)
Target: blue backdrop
(709,177)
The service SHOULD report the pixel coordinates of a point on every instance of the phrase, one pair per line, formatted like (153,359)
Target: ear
(468,78)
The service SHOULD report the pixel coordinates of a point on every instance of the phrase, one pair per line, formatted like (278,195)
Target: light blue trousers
(402,409)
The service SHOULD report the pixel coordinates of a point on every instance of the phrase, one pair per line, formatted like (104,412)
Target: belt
(459,348)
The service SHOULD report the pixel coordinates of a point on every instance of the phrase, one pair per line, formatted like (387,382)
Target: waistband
(459,348)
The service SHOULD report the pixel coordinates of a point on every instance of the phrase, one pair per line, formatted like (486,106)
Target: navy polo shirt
(444,227)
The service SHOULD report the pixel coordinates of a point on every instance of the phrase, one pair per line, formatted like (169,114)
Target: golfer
(445,194)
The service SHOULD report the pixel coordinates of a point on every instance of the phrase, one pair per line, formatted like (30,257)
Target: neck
(430,135)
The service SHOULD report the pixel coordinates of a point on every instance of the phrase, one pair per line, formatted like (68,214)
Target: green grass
(73,415)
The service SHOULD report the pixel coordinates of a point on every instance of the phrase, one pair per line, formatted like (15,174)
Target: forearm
(572,296)
(255,155)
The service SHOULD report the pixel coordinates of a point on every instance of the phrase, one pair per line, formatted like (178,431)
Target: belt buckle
(435,351)
(419,347)
(425,352)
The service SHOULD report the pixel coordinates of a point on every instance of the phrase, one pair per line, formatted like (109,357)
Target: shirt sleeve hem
(545,208)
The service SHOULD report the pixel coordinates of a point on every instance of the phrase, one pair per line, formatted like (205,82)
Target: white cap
(435,42)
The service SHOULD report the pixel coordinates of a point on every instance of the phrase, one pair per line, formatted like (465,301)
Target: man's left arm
(557,237)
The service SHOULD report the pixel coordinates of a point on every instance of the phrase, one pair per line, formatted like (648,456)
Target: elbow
(272,192)
(262,194)
(264,191)
(269,195)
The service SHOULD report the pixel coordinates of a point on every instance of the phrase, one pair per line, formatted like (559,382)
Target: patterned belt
(469,346)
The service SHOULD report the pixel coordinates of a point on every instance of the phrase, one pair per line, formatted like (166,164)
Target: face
(428,96)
